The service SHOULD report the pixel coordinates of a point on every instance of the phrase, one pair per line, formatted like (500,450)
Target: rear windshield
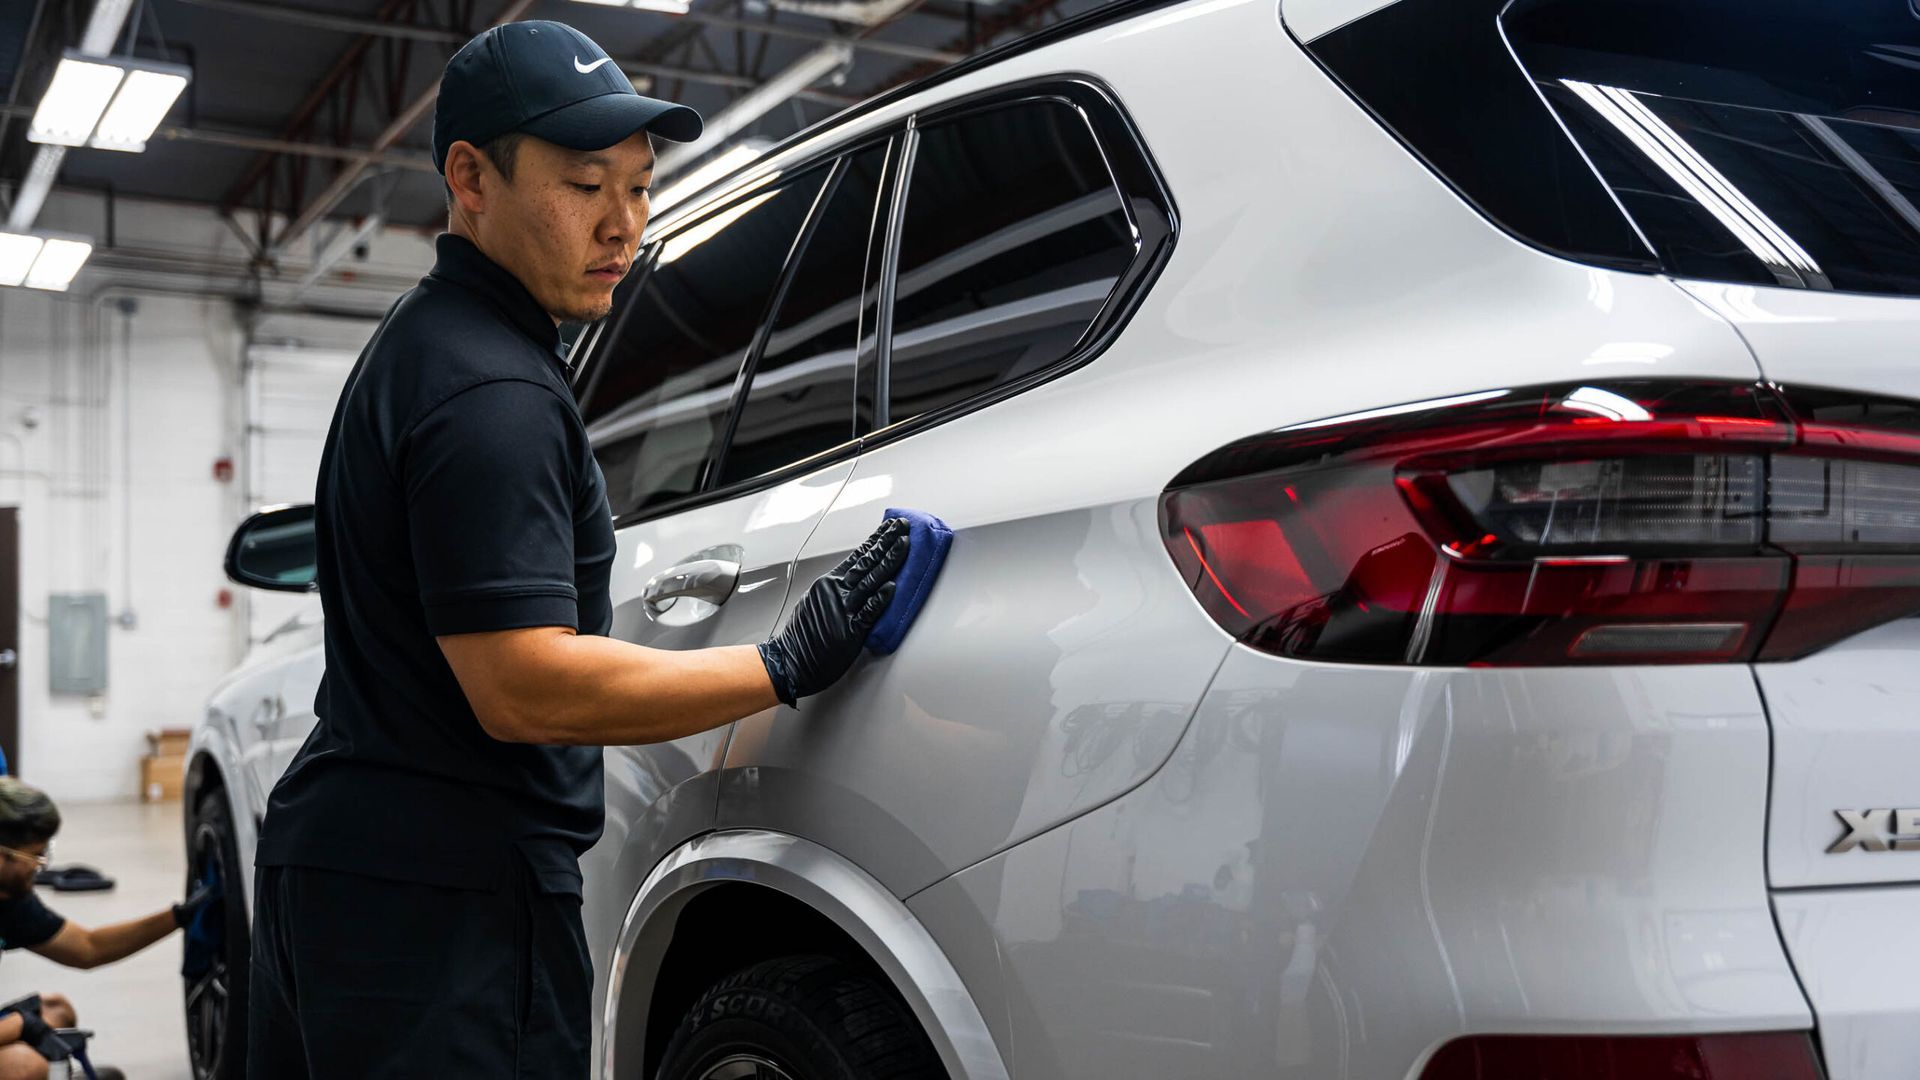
(1772,142)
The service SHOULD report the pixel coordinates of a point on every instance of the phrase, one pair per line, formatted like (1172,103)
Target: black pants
(360,978)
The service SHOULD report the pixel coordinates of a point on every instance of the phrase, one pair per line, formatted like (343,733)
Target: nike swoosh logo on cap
(585,68)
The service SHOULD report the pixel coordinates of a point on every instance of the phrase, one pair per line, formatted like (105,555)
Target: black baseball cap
(552,82)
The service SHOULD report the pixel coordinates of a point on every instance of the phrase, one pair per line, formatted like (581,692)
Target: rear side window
(800,399)
(1013,239)
(657,405)
(1772,142)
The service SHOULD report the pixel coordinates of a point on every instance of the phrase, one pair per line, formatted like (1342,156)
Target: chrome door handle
(9,659)
(711,580)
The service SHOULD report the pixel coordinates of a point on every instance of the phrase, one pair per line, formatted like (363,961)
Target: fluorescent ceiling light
(137,110)
(723,163)
(17,253)
(41,262)
(59,261)
(606,3)
(76,97)
(671,7)
(106,103)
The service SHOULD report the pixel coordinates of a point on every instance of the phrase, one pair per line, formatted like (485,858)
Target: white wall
(69,475)
(109,428)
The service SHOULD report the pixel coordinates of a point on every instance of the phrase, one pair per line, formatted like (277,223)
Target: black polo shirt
(457,493)
(26,922)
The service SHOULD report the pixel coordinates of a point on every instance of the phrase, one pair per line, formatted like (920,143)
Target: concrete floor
(134,1006)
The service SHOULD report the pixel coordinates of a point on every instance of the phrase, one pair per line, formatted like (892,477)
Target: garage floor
(133,1006)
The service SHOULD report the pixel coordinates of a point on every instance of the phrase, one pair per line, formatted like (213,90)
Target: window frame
(1143,197)
(1136,177)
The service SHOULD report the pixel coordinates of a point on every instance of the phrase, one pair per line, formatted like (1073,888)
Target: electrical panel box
(77,633)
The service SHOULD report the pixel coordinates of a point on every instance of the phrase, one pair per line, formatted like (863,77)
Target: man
(28,822)
(418,892)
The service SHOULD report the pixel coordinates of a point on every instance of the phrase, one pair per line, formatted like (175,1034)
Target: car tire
(216,1002)
(799,1018)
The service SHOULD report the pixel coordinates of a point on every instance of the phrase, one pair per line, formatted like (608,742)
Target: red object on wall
(224,599)
(223,469)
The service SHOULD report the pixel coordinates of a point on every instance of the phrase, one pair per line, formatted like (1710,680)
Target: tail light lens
(1774,1055)
(1648,522)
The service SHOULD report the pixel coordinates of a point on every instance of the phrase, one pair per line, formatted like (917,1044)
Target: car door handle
(711,580)
(269,712)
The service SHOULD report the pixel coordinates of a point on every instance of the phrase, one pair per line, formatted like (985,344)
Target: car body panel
(1060,632)
(1846,736)
(1341,868)
(661,794)
(1856,951)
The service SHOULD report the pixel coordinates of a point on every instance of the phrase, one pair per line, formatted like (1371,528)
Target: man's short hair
(503,151)
(27,816)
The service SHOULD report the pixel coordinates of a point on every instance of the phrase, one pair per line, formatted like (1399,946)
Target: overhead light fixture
(106,103)
(722,163)
(41,261)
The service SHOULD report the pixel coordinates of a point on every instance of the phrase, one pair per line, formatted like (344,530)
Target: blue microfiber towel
(207,931)
(928,539)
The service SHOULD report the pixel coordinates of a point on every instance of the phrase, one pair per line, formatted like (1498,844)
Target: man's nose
(626,221)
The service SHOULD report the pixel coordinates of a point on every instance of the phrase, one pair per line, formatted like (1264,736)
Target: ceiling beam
(244,140)
(355,24)
(344,181)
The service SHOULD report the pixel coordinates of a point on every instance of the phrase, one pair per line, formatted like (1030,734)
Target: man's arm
(551,685)
(78,947)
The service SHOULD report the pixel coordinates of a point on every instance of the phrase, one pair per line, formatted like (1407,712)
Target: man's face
(17,868)
(569,221)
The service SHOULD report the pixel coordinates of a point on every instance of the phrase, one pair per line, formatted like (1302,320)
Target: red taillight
(1772,1055)
(1635,523)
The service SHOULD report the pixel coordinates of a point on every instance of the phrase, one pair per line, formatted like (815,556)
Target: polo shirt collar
(459,262)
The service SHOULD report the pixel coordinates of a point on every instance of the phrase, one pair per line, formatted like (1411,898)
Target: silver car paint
(1856,950)
(1343,867)
(658,796)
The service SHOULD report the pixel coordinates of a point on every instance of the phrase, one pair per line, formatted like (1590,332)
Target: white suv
(1437,506)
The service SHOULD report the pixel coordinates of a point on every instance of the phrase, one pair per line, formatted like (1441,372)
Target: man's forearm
(121,940)
(10,1028)
(598,691)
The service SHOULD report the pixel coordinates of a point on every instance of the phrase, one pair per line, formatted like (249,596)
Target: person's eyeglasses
(40,862)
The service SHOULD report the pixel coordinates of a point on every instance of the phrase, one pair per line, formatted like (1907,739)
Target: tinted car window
(1012,240)
(1767,141)
(800,399)
(658,404)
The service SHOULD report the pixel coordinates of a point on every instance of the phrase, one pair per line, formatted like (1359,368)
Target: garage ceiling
(287,95)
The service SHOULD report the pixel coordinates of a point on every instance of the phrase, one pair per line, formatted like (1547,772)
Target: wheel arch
(827,902)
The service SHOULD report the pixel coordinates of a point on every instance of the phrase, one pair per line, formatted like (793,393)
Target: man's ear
(466,174)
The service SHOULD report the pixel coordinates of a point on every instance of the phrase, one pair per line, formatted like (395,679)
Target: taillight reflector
(1772,1055)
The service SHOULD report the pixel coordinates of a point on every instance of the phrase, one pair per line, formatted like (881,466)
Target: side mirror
(274,549)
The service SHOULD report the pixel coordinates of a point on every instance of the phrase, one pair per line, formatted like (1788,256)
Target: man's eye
(588,188)
(642,192)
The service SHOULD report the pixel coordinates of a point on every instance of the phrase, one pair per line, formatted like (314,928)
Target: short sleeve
(488,476)
(27,922)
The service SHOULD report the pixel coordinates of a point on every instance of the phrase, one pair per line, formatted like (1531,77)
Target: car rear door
(1055,663)
(721,407)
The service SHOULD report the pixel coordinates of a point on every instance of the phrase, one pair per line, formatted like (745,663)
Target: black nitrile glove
(830,626)
(203,894)
(34,1031)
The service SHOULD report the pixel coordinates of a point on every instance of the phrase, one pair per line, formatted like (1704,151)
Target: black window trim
(1136,176)
(1144,198)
